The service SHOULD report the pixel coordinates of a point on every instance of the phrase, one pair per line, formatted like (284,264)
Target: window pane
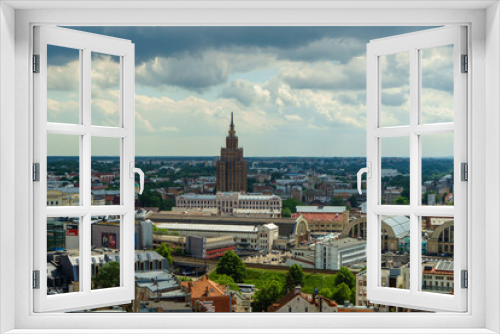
(437,84)
(63,85)
(437,254)
(63,248)
(106,171)
(63,170)
(105,77)
(105,252)
(395,252)
(395,89)
(395,172)
(437,169)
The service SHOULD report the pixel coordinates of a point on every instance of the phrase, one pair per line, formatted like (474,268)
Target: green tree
(402,201)
(267,294)
(166,252)
(337,201)
(325,292)
(353,199)
(341,293)
(230,264)
(227,280)
(108,276)
(345,276)
(286,213)
(291,204)
(294,277)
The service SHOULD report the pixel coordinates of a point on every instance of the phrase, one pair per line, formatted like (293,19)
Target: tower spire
(232,124)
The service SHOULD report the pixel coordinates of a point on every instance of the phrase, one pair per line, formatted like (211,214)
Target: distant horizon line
(251,157)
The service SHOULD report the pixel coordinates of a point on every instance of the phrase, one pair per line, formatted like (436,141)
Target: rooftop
(399,224)
(321,209)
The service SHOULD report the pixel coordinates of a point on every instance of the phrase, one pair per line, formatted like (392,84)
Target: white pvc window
(417,59)
(67,214)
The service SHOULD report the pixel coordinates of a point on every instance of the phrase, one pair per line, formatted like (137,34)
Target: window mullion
(414,168)
(85,183)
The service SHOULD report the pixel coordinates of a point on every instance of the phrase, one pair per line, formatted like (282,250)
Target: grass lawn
(258,276)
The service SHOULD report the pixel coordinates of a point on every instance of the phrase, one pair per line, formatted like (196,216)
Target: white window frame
(412,44)
(484,102)
(85,43)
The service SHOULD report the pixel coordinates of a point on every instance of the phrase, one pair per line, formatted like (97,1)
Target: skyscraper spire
(232,124)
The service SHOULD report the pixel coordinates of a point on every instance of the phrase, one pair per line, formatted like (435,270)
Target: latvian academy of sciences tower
(231,168)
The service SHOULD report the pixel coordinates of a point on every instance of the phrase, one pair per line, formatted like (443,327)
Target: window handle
(368,171)
(139,171)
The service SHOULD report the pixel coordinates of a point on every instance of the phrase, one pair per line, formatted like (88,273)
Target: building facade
(233,203)
(337,253)
(251,237)
(324,219)
(231,168)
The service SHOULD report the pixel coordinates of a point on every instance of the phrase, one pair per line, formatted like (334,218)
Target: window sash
(412,43)
(86,43)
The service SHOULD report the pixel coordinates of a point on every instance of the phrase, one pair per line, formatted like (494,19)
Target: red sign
(70,232)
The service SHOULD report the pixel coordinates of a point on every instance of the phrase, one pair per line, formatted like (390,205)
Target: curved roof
(399,224)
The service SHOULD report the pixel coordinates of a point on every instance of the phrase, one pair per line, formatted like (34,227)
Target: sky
(294,91)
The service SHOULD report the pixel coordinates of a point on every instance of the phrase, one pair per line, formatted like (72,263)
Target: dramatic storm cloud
(294,91)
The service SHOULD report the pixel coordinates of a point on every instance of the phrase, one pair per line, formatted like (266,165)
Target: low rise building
(291,231)
(206,290)
(208,248)
(324,219)
(227,202)
(254,237)
(336,253)
(297,301)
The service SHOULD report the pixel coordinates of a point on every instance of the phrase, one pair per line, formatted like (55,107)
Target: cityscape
(250,139)
(236,234)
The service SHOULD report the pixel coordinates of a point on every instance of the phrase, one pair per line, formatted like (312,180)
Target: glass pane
(63,170)
(395,252)
(437,169)
(105,252)
(437,84)
(437,254)
(395,172)
(395,89)
(105,171)
(63,247)
(63,85)
(105,77)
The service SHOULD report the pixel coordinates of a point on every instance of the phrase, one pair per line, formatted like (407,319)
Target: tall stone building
(231,168)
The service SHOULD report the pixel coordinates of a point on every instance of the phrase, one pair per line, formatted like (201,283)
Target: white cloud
(293,118)
(170,128)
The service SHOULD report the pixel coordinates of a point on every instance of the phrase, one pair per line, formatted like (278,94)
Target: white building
(255,237)
(336,253)
(227,202)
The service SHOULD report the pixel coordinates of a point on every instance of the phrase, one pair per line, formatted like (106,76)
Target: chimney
(346,303)
(297,289)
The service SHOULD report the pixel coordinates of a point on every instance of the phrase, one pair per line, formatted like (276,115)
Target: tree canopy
(294,277)
(108,276)
(341,293)
(291,204)
(266,295)
(345,276)
(166,252)
(337,201)
(230,264)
